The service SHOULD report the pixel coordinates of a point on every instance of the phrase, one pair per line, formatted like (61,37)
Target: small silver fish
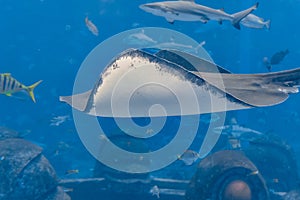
(139,38)
(280,194)
(72,171)
(234,143)
(155,191)
(9,85)
(253,21)
(91,26)
(58,120)
(68,190)
(237,131)
(253,173)
(189,157)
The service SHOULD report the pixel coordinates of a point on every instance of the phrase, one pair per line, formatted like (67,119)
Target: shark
(137,83)
(188,10)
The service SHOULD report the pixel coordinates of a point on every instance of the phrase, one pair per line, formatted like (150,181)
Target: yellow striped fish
(9,85)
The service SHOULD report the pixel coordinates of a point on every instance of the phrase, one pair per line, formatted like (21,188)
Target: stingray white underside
(139,84)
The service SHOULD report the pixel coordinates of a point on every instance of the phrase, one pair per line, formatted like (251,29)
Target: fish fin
(220,22)
(170,20)
(204,20)
(188,0)
(237,17)
(267,64)
(31,88)
(237,26)
(257,89)
(267,24)
(21,95)
(190,62)
(6,74)
(77,101)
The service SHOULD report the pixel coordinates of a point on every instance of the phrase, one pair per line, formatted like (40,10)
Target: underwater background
(48,40)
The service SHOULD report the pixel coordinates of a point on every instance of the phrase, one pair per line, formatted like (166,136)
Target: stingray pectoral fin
(190,62)
(77,101)
(250,89)
(256,89)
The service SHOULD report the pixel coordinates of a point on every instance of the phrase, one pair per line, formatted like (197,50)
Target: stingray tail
(78,101)
(237,17)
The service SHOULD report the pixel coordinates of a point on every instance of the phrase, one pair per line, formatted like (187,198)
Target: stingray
(137,83)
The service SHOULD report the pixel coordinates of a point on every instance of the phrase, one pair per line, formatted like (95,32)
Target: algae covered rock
(25,173)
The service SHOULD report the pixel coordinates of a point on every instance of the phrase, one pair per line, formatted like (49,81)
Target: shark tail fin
(237,17)
(267,24)
(31,88)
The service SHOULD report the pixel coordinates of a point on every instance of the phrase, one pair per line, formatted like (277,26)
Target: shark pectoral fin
(77,101)
(237,26)
(204,19)
(8,94)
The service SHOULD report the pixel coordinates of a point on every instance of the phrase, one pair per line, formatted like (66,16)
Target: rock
(24,172)
(6,133)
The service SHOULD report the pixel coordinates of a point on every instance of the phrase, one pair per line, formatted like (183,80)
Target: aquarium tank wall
(175,100)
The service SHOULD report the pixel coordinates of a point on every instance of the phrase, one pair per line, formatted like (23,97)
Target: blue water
(48,40)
